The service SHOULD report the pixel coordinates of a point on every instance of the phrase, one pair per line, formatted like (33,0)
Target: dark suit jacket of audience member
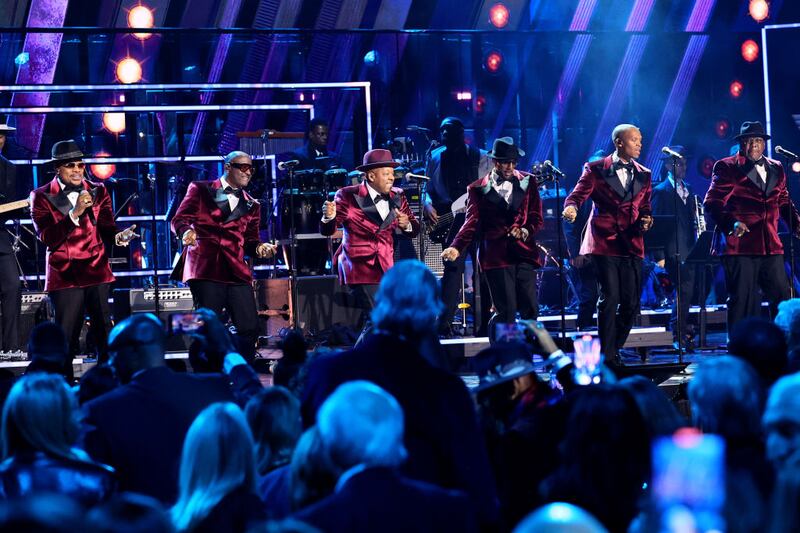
(273,489)
(380,499)
(444,443)
(25,474)
(139,428)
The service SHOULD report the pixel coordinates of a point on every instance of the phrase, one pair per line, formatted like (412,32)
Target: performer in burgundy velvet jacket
(72,216)
(620,189)
(218,222)
(746,199)
(370,214)
(505,209)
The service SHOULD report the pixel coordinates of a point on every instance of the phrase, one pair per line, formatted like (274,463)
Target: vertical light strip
(44,49)
(639,15)
(616,100)
(583,14)
(677,98)
(563,91)
(767,107)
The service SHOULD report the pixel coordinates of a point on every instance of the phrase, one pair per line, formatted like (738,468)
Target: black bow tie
(236,192)
(73,188)
(760,162)
(379,197)
(627,166)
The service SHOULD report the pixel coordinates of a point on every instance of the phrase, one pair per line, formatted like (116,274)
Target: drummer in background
(315,154)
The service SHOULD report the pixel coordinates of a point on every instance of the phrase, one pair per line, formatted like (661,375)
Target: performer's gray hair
(233,155)
(620,129)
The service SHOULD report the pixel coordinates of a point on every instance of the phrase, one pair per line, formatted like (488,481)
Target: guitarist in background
(10,294)
(451,167)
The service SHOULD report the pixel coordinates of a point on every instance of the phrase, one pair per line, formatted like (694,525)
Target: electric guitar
(13,206)
(441,231)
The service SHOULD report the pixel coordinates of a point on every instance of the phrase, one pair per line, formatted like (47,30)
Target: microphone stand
(678,264)
(561,281)
(151,178)
(268,186)
(791,233)
(293,297)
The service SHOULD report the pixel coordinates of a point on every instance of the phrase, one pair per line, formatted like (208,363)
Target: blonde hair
(41,414)
(217,459)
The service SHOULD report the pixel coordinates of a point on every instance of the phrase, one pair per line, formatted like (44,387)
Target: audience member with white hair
(361,428)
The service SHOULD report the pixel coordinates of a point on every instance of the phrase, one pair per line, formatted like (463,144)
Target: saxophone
(699,216)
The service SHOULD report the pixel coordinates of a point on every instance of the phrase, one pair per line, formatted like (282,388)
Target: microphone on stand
(672,153)
(286,165)
(786,153)
(552,168)
(410,176)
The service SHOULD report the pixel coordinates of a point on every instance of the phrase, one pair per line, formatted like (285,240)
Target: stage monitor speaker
(322,303)
(36,308)
(170,300)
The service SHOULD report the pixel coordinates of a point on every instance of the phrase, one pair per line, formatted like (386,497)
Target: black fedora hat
(64,152)
(504,150)
(501,363)
(752,129)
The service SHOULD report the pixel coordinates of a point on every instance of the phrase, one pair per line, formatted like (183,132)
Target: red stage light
(103,171)
(736,88)
(141,17)
(706,166)
(129,71)
(480,104)
(796,167)
(114,122)
(499,15)
(759,10)
(750,50)
(493,62)
(722,128)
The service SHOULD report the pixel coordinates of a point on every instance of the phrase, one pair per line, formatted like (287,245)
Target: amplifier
(35,308)
(170,300)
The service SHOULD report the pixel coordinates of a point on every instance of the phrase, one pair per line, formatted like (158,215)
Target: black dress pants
(513,289)
(687,290)
(238,299)
(744,274)
(72,305)
(10,302)
(619,287)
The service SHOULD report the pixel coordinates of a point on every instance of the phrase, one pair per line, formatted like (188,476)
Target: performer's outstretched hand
(189,238)
(402,219)
(569,214)
(329,210)
(266,249)
(740,228)
(519,233)
(449,254)
(646,222)
(124,237)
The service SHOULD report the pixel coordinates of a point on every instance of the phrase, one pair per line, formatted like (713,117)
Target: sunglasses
(75,164)
(244,167)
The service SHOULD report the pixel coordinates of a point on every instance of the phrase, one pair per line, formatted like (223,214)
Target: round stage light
(796,167)
(493,61)
(114,122)
(722,128)
(736,88)
(141,17)
(480,104)
(750,50)
(129,71)
(759,10)
(103,171)
(499,15)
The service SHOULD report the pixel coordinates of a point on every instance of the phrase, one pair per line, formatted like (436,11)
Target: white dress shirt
(73,199)
(683,192)
(622,173)
(505,188)
(762,170)
(233,200)
(381,204)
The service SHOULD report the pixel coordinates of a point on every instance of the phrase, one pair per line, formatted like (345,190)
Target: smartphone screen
(184,323)
(509,332)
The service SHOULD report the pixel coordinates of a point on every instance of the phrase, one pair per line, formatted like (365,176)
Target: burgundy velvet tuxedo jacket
(613,225)
(367,249)
(735,197)
(490,218)
(223,237)
(76,256)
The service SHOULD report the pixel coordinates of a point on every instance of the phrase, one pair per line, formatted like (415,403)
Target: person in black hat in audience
(10,293)
(681,239)
(505,211)
(451,167)
(72,217)
(746,201)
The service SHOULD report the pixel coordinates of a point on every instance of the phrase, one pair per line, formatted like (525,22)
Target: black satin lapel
(389,219)
(241,210)
(613,180)
(772,177)
(494,197)
(219,197)
(60,202)
(368,207)
(517,195)
(638,179)
(748,170)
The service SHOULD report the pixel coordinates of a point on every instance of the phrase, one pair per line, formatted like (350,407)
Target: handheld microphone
(548,165)
(786,153)
(286,165)
(671,153)
(410,176)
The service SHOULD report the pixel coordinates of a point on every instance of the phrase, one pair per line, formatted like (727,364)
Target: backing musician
(10,294)
(451,167)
